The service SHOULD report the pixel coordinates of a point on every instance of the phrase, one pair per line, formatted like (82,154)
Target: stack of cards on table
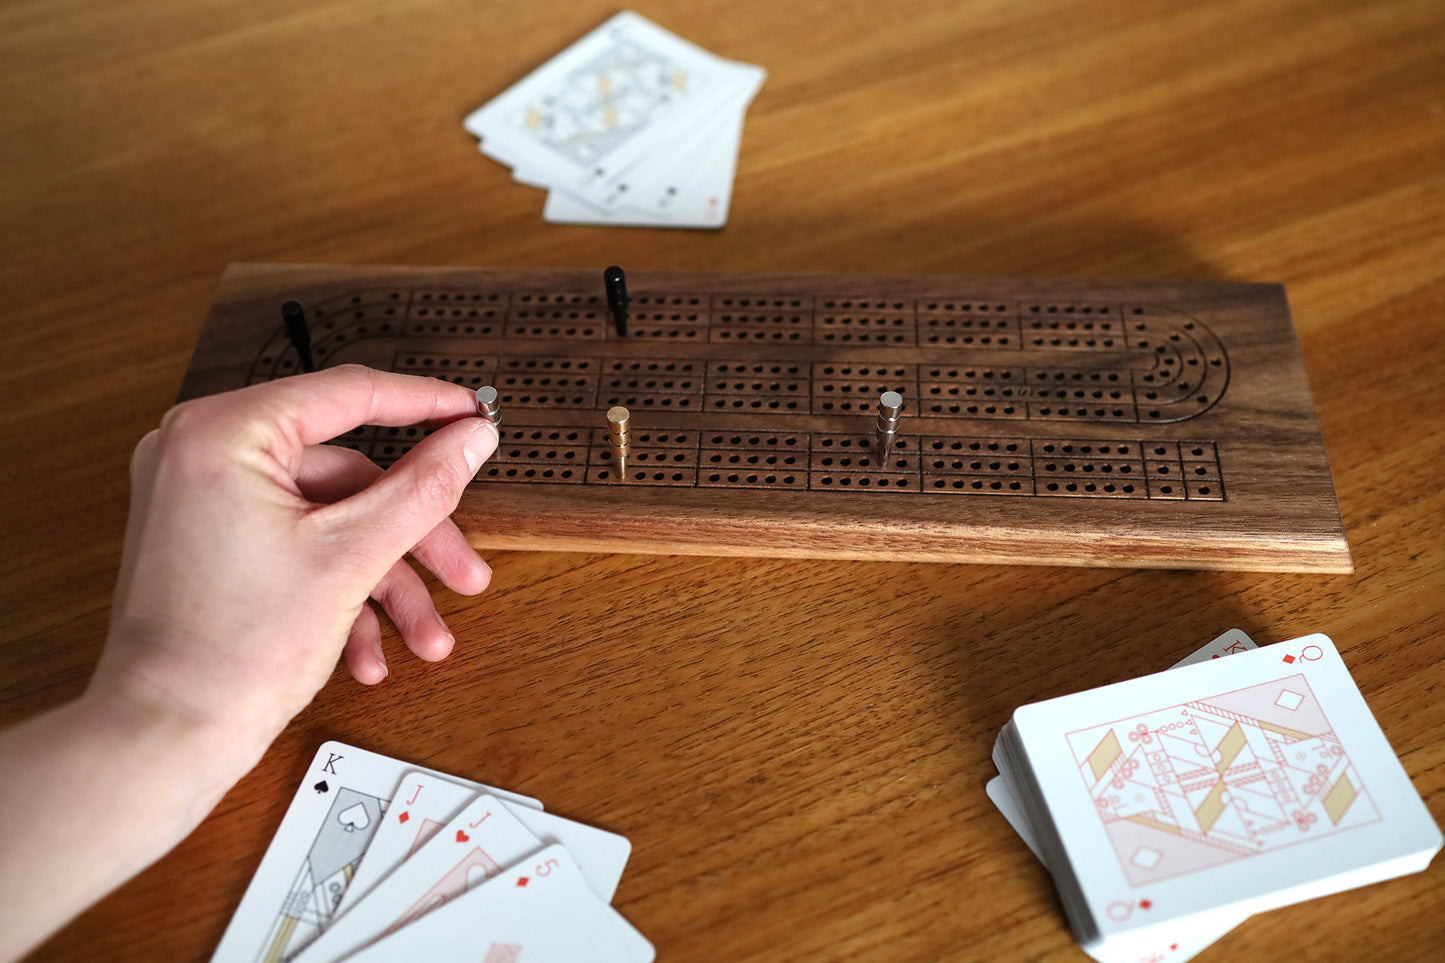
(379,860)
(630,125)
(1171,807)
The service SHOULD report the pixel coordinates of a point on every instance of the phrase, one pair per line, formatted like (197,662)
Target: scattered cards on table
(631,125)
(377,859)
(1172,807)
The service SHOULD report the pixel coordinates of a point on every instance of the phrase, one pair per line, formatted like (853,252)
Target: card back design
(1212,781)
(606,101)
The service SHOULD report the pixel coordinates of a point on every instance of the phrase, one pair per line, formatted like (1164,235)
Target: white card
(539,911)
(479,841)
(1192,937)
(1000,793)
(600,855)
(710,142)
(678,196)
(1000,789)
(1223,788)
(591,110)
(323,836)
(1184,945)
(422,806)
(1232,642)
(425,803)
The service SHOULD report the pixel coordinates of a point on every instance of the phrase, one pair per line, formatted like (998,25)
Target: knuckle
(183,420)
(402,605)
(144,453)
(199,439)
(184,439)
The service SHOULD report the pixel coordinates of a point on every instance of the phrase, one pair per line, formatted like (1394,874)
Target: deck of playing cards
(631,125)
(1171,807)
(379,860)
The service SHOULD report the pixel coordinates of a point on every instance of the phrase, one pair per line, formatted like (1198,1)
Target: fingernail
(380,658)
(443,623)
(479,445)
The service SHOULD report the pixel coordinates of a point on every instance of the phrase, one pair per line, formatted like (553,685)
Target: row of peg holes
(648,401)
(846,320)
(685,367)
(726,335)
(863,337)
(617,384)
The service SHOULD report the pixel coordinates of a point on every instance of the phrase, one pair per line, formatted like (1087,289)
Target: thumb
(383,521)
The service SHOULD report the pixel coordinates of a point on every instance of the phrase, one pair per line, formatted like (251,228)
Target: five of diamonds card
(380,860)
(1168,808)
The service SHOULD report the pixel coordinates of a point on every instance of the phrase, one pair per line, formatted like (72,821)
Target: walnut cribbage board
(1121,424)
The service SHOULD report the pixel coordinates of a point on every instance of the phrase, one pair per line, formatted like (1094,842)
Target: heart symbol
(462,837)
(353,818)
(321,786)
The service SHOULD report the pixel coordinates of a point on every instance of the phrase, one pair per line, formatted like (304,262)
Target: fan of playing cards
(379,860)
(631,125)
(1172,807)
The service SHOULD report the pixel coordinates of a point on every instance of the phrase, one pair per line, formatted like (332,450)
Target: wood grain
(1162,425)
(797,748)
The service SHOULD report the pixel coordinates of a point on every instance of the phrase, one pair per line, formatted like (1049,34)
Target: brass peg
(619,434)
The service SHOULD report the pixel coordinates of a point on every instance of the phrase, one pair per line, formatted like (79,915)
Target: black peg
(616,284)
(298,333)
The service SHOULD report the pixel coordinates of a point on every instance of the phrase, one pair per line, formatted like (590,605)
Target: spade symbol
(353,818)
(321,786)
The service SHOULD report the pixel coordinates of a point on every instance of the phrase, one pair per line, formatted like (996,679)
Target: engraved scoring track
(997,361)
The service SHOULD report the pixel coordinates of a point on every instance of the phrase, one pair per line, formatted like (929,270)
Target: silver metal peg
(489,405)
(890,407)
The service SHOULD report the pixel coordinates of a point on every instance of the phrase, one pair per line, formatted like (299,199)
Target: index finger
(316,407)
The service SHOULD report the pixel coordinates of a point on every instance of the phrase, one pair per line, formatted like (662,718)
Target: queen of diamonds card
(1220,779)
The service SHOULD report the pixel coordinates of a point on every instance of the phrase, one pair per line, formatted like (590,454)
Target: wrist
(162,734)
(160,770)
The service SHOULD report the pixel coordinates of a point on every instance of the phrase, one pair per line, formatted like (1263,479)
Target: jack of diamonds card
(315,853)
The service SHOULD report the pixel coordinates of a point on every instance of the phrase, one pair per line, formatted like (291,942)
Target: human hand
(252,549)
(250,553)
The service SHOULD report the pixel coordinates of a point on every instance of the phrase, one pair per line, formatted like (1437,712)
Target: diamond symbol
(521,881)
(403,817)
(1289,658)
(1145,904)
(1289,700)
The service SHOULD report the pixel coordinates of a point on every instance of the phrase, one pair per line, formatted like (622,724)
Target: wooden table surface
(796,749)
